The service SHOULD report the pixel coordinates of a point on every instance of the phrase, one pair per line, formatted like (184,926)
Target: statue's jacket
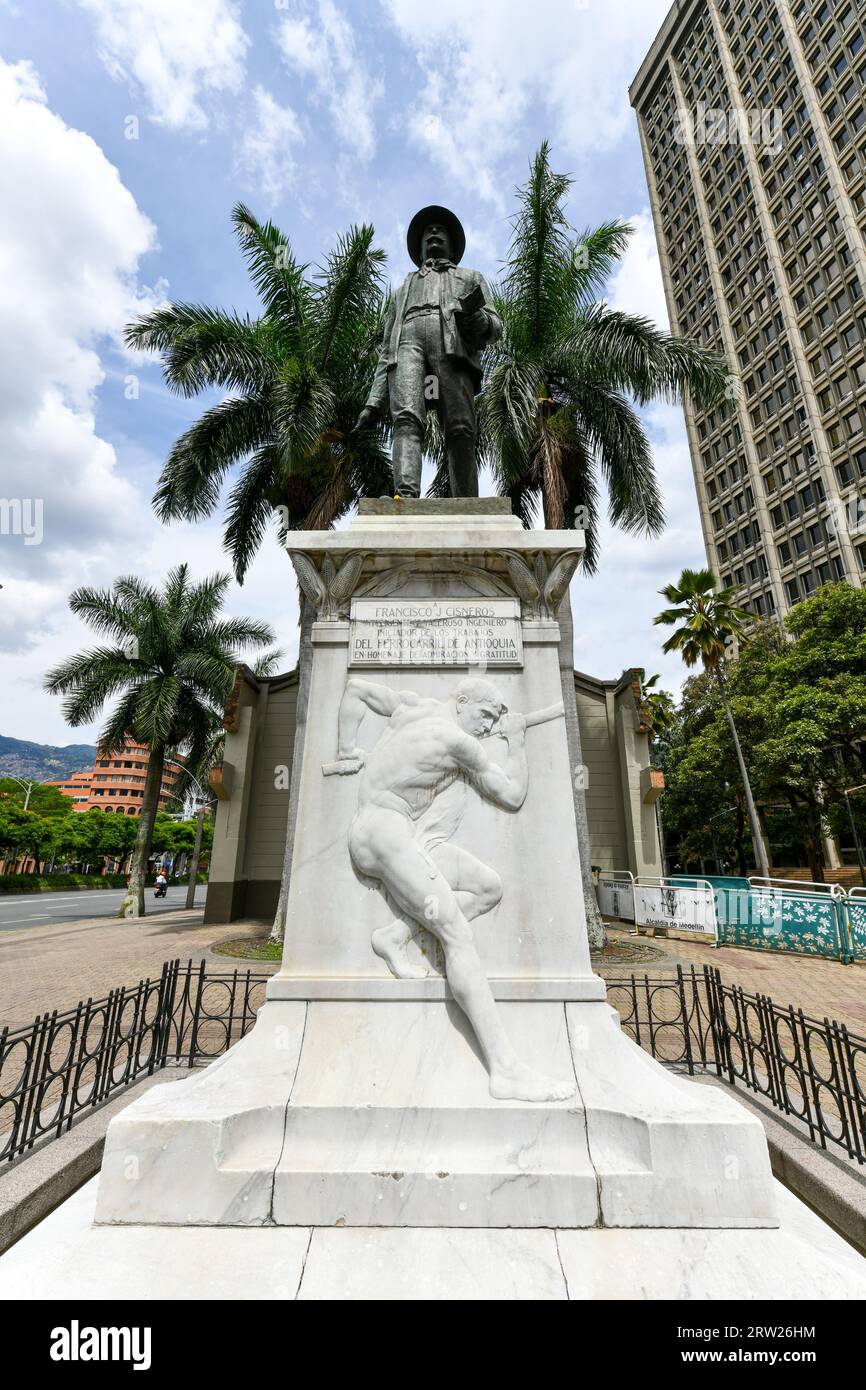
(458,283)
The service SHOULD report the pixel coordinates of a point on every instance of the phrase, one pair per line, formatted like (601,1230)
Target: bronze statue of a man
(439,322)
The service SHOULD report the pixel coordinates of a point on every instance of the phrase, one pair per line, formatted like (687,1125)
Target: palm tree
(558,407)
(296,377)
(171,661)
(711,622)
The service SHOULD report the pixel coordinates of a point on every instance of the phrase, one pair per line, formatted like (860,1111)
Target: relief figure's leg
(477,887)
(391,942)
(383,845)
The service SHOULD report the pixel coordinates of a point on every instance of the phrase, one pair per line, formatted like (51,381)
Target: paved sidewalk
(45,968)
(821,988)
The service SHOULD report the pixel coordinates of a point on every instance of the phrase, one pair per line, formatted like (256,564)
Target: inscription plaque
(435,632)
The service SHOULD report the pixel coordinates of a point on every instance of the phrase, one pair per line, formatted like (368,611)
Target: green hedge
(38,883)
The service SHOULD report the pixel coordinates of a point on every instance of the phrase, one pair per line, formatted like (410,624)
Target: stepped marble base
(366,1113)
(67,1258)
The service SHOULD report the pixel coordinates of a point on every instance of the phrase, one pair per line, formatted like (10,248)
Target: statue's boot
(462,467)
(406,460)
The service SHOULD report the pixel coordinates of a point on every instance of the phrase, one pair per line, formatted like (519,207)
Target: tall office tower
(753,126)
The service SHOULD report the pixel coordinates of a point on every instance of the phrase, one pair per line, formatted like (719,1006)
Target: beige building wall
(253,789)
(622,821)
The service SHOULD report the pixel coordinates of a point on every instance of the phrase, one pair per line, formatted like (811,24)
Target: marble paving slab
(66,1257)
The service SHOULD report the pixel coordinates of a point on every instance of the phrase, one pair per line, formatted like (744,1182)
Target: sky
(130,128)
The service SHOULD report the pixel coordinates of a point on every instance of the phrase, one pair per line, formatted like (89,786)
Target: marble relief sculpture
(414,783)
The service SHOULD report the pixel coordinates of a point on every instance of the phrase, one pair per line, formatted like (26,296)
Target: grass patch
(627,953)
(250,948)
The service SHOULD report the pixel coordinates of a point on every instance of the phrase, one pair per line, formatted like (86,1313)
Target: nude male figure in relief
(413,783)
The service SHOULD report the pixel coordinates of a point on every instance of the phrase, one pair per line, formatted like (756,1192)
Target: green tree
(170,667)
(710,623)
(117,835)
(658,714)
(47,801)
(12,818)
(658,708)
(296,376)
(799,694)
(805,702)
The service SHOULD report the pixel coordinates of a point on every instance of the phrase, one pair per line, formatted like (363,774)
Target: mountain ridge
(43,762)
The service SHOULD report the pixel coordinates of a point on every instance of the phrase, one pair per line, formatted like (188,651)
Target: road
(18,911)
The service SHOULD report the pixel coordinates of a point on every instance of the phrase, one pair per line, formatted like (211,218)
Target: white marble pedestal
(375,1113)
(361,1099)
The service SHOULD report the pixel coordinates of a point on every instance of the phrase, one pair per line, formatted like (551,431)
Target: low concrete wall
(37,1184)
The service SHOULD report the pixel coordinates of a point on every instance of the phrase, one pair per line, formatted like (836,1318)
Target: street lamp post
(28,787)
(725,811)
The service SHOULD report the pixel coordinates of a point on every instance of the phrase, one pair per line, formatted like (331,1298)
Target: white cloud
(53,633)
(265,153)
(176,51)
(633,569)
(614,610)
(488,63)
(320,44)
(71,237)
(637,287)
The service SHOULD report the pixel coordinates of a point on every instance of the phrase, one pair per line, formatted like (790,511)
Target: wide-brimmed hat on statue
(452,225)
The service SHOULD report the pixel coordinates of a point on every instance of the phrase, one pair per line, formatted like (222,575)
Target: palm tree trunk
(133,903)
(594,924)
(305,668)
(196,851)
(754,823)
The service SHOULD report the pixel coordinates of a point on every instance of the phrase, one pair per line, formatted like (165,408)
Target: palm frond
(346,291)
(276,274)
(249,509)
(191,479)
(203,347)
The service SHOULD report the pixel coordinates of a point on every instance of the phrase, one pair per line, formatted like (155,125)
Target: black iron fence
(65,1065)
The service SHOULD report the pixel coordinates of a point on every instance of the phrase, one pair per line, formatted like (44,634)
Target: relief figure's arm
(506,786)
(358,697)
